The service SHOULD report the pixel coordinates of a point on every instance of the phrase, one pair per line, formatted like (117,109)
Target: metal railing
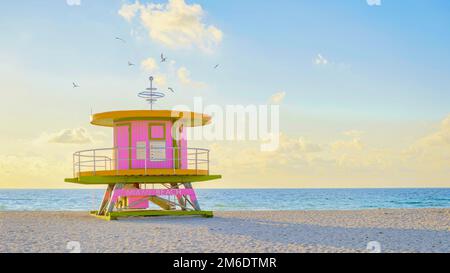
(142,158)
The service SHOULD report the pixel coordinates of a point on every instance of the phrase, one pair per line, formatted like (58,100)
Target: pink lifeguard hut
(150,169)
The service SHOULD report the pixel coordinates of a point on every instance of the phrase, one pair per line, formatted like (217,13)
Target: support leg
(105,200)
(111,203)
(180,198)
(194,201)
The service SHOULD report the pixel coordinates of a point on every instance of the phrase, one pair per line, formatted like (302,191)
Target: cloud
(439,138)
(175,24)
(25,170)
(353,133)
(73,2)
(11,164)
(70,136)
(354,143)
(291,152)
(320,60)
(277,98)
(374,2)
(184,76)
(149,65)
(160,80)
(128,11)
(290,145)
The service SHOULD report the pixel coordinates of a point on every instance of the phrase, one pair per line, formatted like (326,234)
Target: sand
(397,230)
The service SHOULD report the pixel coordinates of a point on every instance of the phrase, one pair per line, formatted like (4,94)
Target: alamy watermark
(73,247)
(233,122)
(374,247)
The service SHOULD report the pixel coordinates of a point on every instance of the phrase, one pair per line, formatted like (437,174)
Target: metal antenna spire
(150,95)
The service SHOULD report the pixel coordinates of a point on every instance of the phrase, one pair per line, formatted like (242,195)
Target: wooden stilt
(194,203)
(106,198)
(181,199)
(111,203)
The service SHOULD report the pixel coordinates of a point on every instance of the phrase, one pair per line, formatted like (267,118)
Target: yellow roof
(190,119)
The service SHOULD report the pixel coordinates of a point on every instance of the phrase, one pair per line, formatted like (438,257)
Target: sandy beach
(396,230)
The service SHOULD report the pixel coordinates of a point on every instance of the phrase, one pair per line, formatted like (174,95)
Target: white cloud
(439,138)
(184,76)
(374,2)
(175,24)
(128,11)
(291,153)
(12,164)
(31,170)
(295,146)
(149,65)
(320,60)
(160,80)
(277,98)
(354,133)
(70,136)
(354,143)
(73,2)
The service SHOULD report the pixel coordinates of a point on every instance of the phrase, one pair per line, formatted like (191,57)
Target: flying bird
(75,85)
(120,39)
(163,59)
(216,66)
(171,89)
(130,64)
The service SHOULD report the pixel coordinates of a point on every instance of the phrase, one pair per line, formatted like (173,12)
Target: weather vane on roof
(150,95)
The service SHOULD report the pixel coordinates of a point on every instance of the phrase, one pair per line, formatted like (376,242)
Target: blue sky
(388,62)
(387,70)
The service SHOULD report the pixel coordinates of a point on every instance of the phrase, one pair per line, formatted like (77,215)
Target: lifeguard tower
(149,165)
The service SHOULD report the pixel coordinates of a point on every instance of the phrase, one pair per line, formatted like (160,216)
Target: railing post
(94,163)
(177,152)
(173,159)
(208,161)
(79,165)
(73,166)
(196,161)
(117,159)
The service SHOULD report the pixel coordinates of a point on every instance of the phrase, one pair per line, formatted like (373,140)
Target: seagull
(171,89)
(120,39)
(130,64)
(216,66)
(163,59)
(75,85)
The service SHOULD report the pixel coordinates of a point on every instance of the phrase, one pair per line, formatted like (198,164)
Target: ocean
(242,199)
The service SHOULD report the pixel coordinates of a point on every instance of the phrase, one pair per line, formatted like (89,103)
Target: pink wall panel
(140,133)
(122,143)
(138,202)
(183,148)
(157,131)
(168,164)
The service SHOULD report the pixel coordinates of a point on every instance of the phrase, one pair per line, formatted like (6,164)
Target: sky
(362,85)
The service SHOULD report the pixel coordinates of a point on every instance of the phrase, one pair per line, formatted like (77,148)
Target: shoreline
(253,210)
(397,230)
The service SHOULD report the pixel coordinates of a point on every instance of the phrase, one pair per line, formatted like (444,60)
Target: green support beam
(151,213)
(104,180)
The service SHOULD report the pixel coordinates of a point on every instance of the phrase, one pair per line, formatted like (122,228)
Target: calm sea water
(230,200)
